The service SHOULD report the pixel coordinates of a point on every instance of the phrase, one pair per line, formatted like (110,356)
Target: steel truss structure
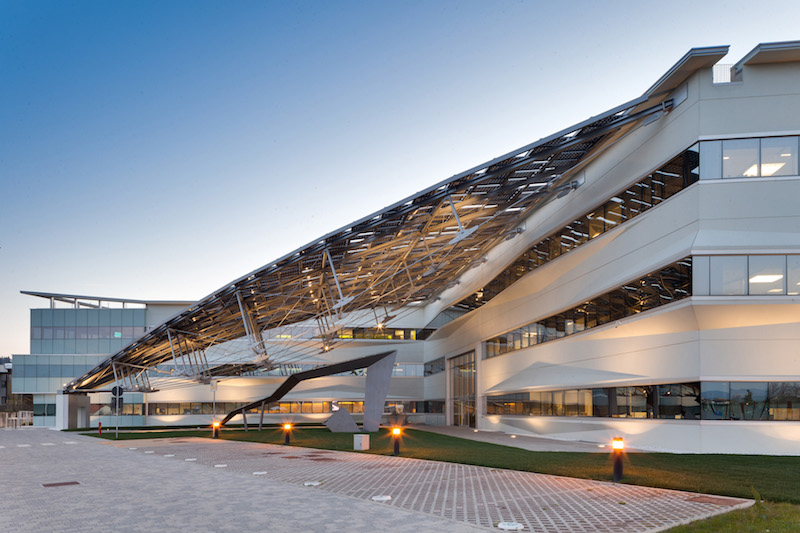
(402,255)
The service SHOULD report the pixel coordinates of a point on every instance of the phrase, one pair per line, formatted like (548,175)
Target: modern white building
(635,275)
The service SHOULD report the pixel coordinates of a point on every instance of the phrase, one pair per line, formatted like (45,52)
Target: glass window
(740,158)
(596,223)
(669,401)
(784,400)
(600,402)
(749,401)
(614,212)
(715,400)
(767,274)
(779,156)
(728,275)
(638,401)
(690,400)
(793,274)
(710,159)
(585,402)
(571,402)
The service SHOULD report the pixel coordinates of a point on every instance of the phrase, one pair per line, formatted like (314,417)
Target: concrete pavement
(182,484)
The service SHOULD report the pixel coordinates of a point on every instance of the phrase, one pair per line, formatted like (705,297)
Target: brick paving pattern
(181,483)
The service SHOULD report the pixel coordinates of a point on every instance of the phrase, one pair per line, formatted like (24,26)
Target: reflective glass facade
(678,401)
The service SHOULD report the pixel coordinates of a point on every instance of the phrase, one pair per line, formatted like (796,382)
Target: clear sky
(159,150)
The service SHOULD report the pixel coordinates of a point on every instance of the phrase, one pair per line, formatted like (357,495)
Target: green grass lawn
(776,478)
(764,517)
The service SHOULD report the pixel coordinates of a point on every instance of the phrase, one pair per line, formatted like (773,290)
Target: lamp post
(619,446)
(396,440)
(287,428)
(215,429)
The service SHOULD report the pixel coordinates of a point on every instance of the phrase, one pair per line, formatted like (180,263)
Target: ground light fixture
(396,432)
(287,429)
(215,429)
(618,445)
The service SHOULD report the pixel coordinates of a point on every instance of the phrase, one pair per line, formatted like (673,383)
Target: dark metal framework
(294,379)
(402,255)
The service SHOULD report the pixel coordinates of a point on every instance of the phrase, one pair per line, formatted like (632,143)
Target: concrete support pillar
(72,410)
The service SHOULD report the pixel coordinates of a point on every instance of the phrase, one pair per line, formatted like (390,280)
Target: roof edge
(777,52)
(693,60)
(61,296)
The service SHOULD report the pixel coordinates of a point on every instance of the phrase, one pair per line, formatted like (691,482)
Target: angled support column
(342,298)
(329,370)
(379,375)
(250,328)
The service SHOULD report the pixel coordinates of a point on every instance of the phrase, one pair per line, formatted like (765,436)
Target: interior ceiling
(402,255)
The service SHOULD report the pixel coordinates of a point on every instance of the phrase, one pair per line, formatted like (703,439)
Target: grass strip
(774,477)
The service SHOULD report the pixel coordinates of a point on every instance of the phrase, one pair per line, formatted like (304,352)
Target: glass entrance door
(462,389)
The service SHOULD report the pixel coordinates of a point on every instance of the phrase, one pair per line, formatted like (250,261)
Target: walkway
(57,481)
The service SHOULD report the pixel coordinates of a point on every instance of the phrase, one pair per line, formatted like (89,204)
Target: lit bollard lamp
(396,440)
(287,429)
(215,429)
(619,446)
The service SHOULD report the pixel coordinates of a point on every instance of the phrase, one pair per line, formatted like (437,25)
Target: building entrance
(462,389)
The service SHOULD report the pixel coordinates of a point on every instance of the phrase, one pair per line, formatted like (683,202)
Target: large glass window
(740,158)
(793,274)
(779,156)
(767,274)
(784,400)
(749,401)
(715,400)
(728,275)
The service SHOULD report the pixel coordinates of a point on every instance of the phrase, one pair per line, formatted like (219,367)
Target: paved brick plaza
(180,484)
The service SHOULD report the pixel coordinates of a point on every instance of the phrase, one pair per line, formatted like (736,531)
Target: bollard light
(287,428)
(396,440)
(215,429)
(618,445)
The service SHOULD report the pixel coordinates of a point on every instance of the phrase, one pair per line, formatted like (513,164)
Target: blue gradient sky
(159,150)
